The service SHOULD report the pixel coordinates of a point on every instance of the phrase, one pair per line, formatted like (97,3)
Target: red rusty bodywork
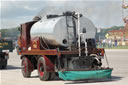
(31,46)
(35,43)
(25,35)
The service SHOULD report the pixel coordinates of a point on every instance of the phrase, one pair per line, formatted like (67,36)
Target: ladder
(70,30)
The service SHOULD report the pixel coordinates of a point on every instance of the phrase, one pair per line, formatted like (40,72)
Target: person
(110,43)
(104,43)
(100,43)
(115,41)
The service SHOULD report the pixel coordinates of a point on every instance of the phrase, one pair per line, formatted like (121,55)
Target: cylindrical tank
(54,30)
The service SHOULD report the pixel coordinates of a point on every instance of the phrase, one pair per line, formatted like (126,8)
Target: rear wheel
(25,67)
(42,72)
(5,64)
(52,76)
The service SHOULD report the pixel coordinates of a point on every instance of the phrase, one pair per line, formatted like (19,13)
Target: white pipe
(86,50)
(79,33)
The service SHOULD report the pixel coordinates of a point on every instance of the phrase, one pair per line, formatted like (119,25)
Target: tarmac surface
(118,60)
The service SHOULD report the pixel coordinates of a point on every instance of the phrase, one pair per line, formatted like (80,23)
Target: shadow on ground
(11,67)
(113,78)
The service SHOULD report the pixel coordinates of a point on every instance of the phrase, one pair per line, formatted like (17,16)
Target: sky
(103,13)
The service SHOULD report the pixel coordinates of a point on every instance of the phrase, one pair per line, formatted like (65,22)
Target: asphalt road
(118,59)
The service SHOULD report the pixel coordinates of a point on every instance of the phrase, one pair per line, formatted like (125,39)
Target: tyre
(25,67)
(0,66)
(5,64)
(52,76)
(42,72)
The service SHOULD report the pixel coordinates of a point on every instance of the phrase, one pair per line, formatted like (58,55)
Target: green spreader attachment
(79,75)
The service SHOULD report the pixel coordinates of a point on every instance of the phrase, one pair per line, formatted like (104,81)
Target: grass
(113,47)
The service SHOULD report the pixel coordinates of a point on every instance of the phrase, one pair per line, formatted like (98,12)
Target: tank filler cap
(37,18)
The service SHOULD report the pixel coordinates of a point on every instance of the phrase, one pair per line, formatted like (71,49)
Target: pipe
(85,43)
(79,35)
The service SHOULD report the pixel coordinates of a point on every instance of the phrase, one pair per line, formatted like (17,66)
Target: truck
(6,46)
(62,45)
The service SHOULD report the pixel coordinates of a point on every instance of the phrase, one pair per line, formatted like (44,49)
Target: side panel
(25,35)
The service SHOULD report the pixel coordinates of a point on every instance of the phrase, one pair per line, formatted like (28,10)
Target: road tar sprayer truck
(61,44)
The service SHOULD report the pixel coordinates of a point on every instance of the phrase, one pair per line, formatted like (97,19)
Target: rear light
(102,52)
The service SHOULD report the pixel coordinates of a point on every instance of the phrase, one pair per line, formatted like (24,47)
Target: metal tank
(55,32)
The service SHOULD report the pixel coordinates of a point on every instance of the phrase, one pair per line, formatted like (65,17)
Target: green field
(113,47)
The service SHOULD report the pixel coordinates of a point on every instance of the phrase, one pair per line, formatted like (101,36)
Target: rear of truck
(6,46)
